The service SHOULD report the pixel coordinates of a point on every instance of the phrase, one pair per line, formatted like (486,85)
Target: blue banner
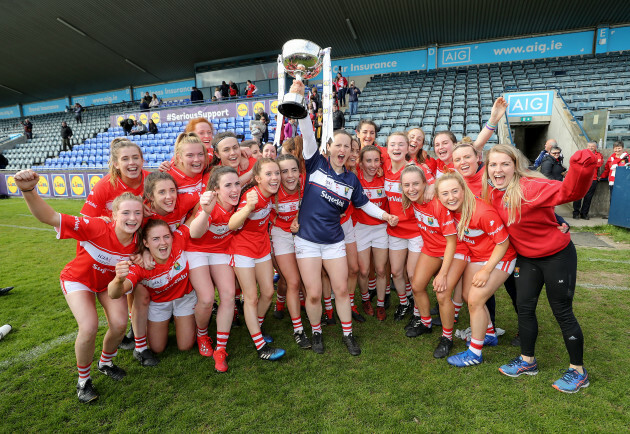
(177,89)
(619,39)
(601,44)
(10,112)
(101,98)
(529,103)
(41,108)
(566,44)
(382,64)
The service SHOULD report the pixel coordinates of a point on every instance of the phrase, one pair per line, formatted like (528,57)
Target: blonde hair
(412,168)
(469,204)
(184,139)
(513,197)
(123,197)
(114,151)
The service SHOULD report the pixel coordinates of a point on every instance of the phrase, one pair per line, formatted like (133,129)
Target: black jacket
(339,121)
(66,132)
(552,168)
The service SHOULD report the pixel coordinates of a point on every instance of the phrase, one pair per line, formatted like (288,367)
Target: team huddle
(155,247)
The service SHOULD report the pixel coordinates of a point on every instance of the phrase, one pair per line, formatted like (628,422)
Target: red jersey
(341,82)
(600,162)
(99,201)
(484,232)
(98,251)
(436,222)
(184,204)
(534,234)
(375,191)
(218,237)
(438,167)
(187,184)
(611,166)
(252,239)
(251,161)
(407,227)
(474,182)
(251,89)
(286,207)
(169,281)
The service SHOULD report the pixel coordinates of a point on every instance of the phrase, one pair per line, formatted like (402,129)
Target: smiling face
(416,141)
(164,197)
(500,169)
(397,148)
(451,195)
(129,163)
(354,155)
(269,178)
(370,163)
(229,152)
(255,151)
(128,216)
(228,191)
(289,174)
(465,161)
(192,158)
(443,145)
(366,134)
(339,151)
(269,151)
(159,241)
(204,131)
(591,146)
(412,186)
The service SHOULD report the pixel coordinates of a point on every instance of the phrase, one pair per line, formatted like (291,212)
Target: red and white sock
(365,297)
(84,373)
(281,298)
(426,321)
(372,284)
(328,303)
(458,306)
(141,343)
(403,298)
(476,346)
(258,340)
(202,332)
(380,303)
(490,330)
(106,358)
(301,297)
(222,340)
(352,299)
(316,328)
(261,319)
(297,324)
(408,290)
(416,312)
(447,333)
(129,315)
(388,290)
(346,327)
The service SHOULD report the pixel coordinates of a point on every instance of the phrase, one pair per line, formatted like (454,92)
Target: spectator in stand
(233,89)
(581,206)
(66,133)
(316,97)
(251,89)
(225,90)
(551,166)
(78,110)
(127,125)
(261,115)
(138,129)
(147,98)
(319,126)
(339,121)
(153,129)
(342,88)
(353,97)
(28,128)
(4,162)
(256,127)
(144,106)
(196,95)
(548,145)
(290,129)
(618,158)
(217,94)
(155,101)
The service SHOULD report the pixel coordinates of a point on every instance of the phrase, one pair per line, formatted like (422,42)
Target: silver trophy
(302,60)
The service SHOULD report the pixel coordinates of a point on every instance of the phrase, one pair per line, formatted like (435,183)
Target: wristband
(490,126)
(24,191)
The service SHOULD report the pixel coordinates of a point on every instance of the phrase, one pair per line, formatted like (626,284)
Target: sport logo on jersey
(176,266)
(430,220)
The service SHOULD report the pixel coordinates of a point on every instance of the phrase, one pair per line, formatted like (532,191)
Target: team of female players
(216,217)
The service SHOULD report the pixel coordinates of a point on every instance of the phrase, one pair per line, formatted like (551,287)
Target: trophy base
(292,106)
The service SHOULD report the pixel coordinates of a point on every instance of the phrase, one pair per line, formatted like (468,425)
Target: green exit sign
(526,119)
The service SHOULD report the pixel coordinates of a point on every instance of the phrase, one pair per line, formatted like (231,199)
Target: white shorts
(183,306)
(371,236)
(241,261)
(281,242)
(459,256)
(307,249)
(348,231)
(413,244)
(201,259)
(507,266)
(68,287)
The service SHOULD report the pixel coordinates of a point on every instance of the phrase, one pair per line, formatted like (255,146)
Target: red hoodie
(534,234)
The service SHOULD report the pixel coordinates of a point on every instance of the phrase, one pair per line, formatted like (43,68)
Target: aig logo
(453,56)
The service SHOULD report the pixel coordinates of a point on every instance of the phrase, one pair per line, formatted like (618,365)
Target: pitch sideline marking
(26,227)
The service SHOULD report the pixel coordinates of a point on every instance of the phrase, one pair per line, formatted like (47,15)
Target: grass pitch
(395,385)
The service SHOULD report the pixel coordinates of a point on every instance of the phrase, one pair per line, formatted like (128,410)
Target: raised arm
(119,284)
(498,110)
(199,225)
(26,181)
(309,147)
(238,218)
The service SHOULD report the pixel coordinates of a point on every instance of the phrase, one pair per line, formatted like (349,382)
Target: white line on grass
(607,260)
(594,286)
(26,227)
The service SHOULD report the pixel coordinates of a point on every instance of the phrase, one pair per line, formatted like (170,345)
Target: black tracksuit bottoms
(558,273)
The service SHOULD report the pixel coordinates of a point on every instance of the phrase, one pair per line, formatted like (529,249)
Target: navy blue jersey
(327,196)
